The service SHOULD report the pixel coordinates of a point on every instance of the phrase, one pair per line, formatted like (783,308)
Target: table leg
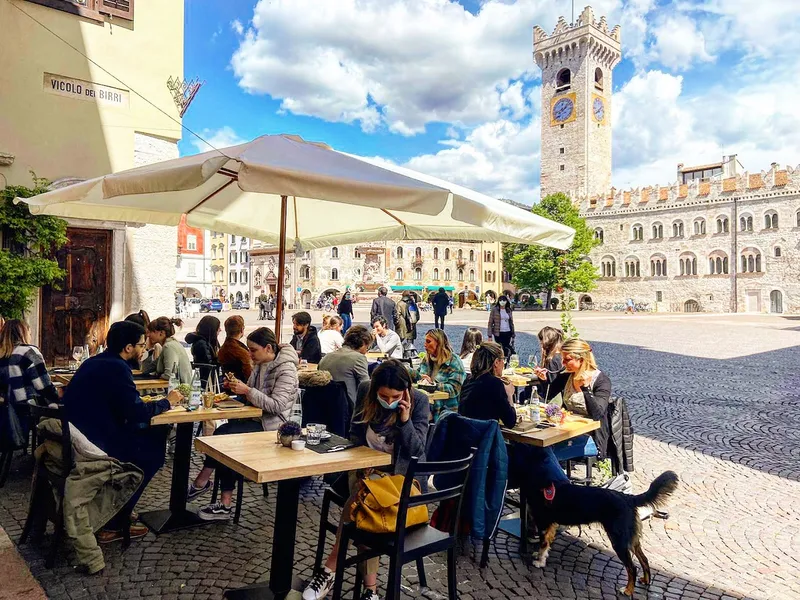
(177,516)
(284,534)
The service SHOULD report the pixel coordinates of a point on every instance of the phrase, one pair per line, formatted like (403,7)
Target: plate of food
(427,387)
(523,371)
(153,398)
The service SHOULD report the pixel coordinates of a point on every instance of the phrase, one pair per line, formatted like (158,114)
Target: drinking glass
(77,354)
(322,429)
(313,434)
(513,362)
(533,360)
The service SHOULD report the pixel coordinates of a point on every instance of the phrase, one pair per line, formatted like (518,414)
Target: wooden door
(81,306)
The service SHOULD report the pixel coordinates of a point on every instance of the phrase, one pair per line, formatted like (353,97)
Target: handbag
(377,502)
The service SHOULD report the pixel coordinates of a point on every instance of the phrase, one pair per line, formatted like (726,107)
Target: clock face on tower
(563,109)
(599,109)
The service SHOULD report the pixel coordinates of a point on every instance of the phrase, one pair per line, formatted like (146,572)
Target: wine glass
(513,362)
(533,360)
(77,355)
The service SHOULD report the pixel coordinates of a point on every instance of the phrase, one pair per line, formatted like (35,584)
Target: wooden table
(547,436)
(142,384)
(177,516)
(433,396)
(309,367)
(257,457)
(374,356)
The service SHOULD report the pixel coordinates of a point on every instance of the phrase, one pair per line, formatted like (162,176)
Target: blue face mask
(386,405)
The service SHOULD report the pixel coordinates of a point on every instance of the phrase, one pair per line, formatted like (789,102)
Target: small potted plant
(553,413)
(288,432)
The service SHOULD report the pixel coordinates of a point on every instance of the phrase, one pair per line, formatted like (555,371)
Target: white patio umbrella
(283,190)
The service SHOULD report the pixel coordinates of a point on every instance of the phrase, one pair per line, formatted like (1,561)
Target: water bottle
(174,382)
(85,353)
(297,408)
(196,398)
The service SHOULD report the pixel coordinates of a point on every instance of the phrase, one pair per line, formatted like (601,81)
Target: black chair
(409,545)
(46,482)
(7,445)
(328,405)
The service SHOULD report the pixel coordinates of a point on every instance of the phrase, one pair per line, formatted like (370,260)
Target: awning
(447,288)
(410,288)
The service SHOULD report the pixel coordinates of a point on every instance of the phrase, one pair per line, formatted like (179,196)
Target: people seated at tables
(550,366)
(305,340)
(349,364)
(330,338)
(143,319)
(23,371)
(233,355)
(166,353)
(389,413)
(386,339)
(273,388)
(442,368)
(472,339)
(205,346)
(585,391)
(484,394)
(103,403)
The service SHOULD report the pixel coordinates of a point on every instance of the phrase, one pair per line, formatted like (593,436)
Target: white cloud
(404,63)
(678,43)
(237,27)
(217,138)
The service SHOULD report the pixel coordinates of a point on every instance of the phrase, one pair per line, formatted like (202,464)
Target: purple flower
(289,428)
(552,411)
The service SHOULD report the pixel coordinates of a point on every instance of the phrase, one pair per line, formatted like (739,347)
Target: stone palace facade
(718,239)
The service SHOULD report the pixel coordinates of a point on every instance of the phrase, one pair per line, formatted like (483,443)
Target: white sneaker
(370,595)
(320,585)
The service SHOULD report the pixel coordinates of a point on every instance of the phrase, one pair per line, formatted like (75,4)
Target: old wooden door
(77,313)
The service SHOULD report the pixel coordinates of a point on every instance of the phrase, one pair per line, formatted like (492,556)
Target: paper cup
(298,445)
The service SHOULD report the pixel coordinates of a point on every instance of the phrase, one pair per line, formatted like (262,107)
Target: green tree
(543,269)
(27,256)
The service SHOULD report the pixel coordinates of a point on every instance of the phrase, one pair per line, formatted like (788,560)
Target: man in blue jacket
(103,403)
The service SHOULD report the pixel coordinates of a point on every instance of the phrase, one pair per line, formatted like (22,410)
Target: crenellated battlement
(678,194)
(571,39)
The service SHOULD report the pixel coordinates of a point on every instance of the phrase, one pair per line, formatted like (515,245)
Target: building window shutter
(116,8)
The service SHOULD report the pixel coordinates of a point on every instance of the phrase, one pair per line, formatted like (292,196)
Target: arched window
(688,264)
(398,274)
(699,226)
(746,223)
(418,252)
(632,268)
(447,253)
(472,275)
(334,252)
(718,263)
(598,79)
(658,266)
(460,254)
(563,80)
(435,254)
(658,231)
(447,273)
(436,274)
(471,255)
(461,274)
(334,274)
(637,232)
(677,229)
(598,233)
(608,267)
(777,251)
(771,220)
(723,224)
(213,252)
(751,260)
(356,253)
(418,274)
(305,272)
(399,252)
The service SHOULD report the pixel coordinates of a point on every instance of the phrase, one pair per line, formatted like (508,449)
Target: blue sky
(451,89)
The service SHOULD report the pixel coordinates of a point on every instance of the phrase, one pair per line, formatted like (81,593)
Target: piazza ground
(713,397)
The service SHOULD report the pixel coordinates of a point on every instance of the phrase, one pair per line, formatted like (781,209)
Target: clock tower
(577,62)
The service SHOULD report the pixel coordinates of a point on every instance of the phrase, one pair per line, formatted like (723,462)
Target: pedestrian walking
(501,325)
(441,303)
(383,306)
(345,310)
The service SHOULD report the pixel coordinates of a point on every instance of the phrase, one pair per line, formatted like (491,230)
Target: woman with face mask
(389,417)
(501,325)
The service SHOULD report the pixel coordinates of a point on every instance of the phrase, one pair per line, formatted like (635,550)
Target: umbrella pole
(281,269)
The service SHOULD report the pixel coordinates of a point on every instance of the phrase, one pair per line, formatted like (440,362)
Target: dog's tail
(662,488)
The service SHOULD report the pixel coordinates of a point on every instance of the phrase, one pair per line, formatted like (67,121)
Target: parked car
(241,305)
(215,304)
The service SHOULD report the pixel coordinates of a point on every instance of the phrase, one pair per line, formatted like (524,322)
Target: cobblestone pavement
(713,398)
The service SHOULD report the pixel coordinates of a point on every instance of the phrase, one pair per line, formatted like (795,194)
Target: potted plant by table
(288,432)
(553,413)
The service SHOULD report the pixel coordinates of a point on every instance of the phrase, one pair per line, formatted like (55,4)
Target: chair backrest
(458,471)
(59,413)
(329,405)
(208,370)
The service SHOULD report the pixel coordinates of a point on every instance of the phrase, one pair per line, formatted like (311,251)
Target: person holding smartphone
(390,416)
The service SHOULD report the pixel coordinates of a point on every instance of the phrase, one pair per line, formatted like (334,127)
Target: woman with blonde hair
(442,368)
(330,338)
(585,390)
